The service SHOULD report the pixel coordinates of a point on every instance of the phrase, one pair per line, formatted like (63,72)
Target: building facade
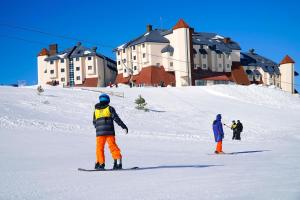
(75,66)
(261,70)
(181,57)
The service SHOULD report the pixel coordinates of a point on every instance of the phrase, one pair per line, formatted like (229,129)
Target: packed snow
(46,138)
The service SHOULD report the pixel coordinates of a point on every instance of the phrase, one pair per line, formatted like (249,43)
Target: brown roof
(90,82)
(181,24)
(217,78)
(238,74)
(286,60)
(150,75)
(44,52)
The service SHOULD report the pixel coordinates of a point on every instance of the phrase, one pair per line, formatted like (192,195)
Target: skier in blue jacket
(218,133)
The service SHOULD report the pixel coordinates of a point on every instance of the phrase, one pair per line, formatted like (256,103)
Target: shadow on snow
(243,152)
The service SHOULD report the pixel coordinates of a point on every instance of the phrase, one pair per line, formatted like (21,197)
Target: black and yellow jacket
(103,120)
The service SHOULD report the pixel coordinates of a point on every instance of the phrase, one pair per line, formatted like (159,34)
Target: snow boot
(99,166)
(117,164)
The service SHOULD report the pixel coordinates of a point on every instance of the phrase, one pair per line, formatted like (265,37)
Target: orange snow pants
(113,147)
(219,147)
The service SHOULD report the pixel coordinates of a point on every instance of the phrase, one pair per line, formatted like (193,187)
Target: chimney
(252,51)
(53,49)
(227,40)
(149,28)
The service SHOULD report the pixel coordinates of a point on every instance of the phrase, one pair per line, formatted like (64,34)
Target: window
(89,58)
(119,62)
(134,67)
(118,53)
(62,70)
(143,45)
(45,71)
(124,70)
(200,82)
(90,67)
(271,76)
(228,56)
(171,64)
(133,47)
(123,50)
(157,64)
(220,65)
(62,60)
(171,53)
(144,55)
(51,62)
(203,65)
(124,60)
(77,68)
(220,55)
(228,66)
(134,57)
(62,79)
(77,59)
(204,56)
(52,71)
(78,78)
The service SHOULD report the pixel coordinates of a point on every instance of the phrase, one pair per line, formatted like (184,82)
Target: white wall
(287,77)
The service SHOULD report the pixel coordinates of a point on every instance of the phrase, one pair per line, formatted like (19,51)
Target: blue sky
(272,28)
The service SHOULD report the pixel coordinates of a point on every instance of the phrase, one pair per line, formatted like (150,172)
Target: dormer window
(204,56)
(77,59)
(118,53)
(89,58)
(220,55)
(123,50)
(143,45)
(133,47)
(51,62)
(62,60)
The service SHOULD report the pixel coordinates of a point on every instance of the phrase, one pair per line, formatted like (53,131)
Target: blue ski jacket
(218,128)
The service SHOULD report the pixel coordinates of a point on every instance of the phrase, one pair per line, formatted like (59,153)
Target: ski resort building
(181,57)
(261,70)
(75,66)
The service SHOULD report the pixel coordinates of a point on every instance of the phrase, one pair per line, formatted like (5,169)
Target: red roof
(181,24)
(151,75)
(44,52)
(238,74)
(90,82)
(286,60)
(217,78)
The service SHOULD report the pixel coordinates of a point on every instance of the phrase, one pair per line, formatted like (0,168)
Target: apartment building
(75,66)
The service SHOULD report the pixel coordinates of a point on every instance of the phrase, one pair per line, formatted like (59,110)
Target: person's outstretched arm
(116,118)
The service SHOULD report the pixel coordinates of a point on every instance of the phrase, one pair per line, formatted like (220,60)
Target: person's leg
(113,147)
(219,147)
(100,143)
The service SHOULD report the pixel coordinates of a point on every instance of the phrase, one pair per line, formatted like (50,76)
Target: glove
(126,130)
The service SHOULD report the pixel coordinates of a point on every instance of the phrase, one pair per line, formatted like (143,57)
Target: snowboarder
(218,133)
(234,129)
(239,129)
(103,118)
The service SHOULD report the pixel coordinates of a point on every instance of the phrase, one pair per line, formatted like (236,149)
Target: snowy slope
(44,139)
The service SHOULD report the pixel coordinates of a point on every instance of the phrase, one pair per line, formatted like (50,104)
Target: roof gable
(181,24)
(286,60)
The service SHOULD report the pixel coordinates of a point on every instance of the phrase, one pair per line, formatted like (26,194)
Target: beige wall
(287,77)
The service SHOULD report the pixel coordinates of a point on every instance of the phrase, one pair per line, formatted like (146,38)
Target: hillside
(44,139)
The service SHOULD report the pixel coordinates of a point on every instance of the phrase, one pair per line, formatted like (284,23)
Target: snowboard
(217,154)
(96,170)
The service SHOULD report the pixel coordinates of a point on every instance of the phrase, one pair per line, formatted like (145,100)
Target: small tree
(40,90)
(141,103)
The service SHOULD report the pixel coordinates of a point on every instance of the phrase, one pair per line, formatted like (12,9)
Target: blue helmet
(104,98)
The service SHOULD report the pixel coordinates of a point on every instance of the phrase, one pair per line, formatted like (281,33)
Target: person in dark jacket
(234,129)
(103,120)
(239,129)
(218,133)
